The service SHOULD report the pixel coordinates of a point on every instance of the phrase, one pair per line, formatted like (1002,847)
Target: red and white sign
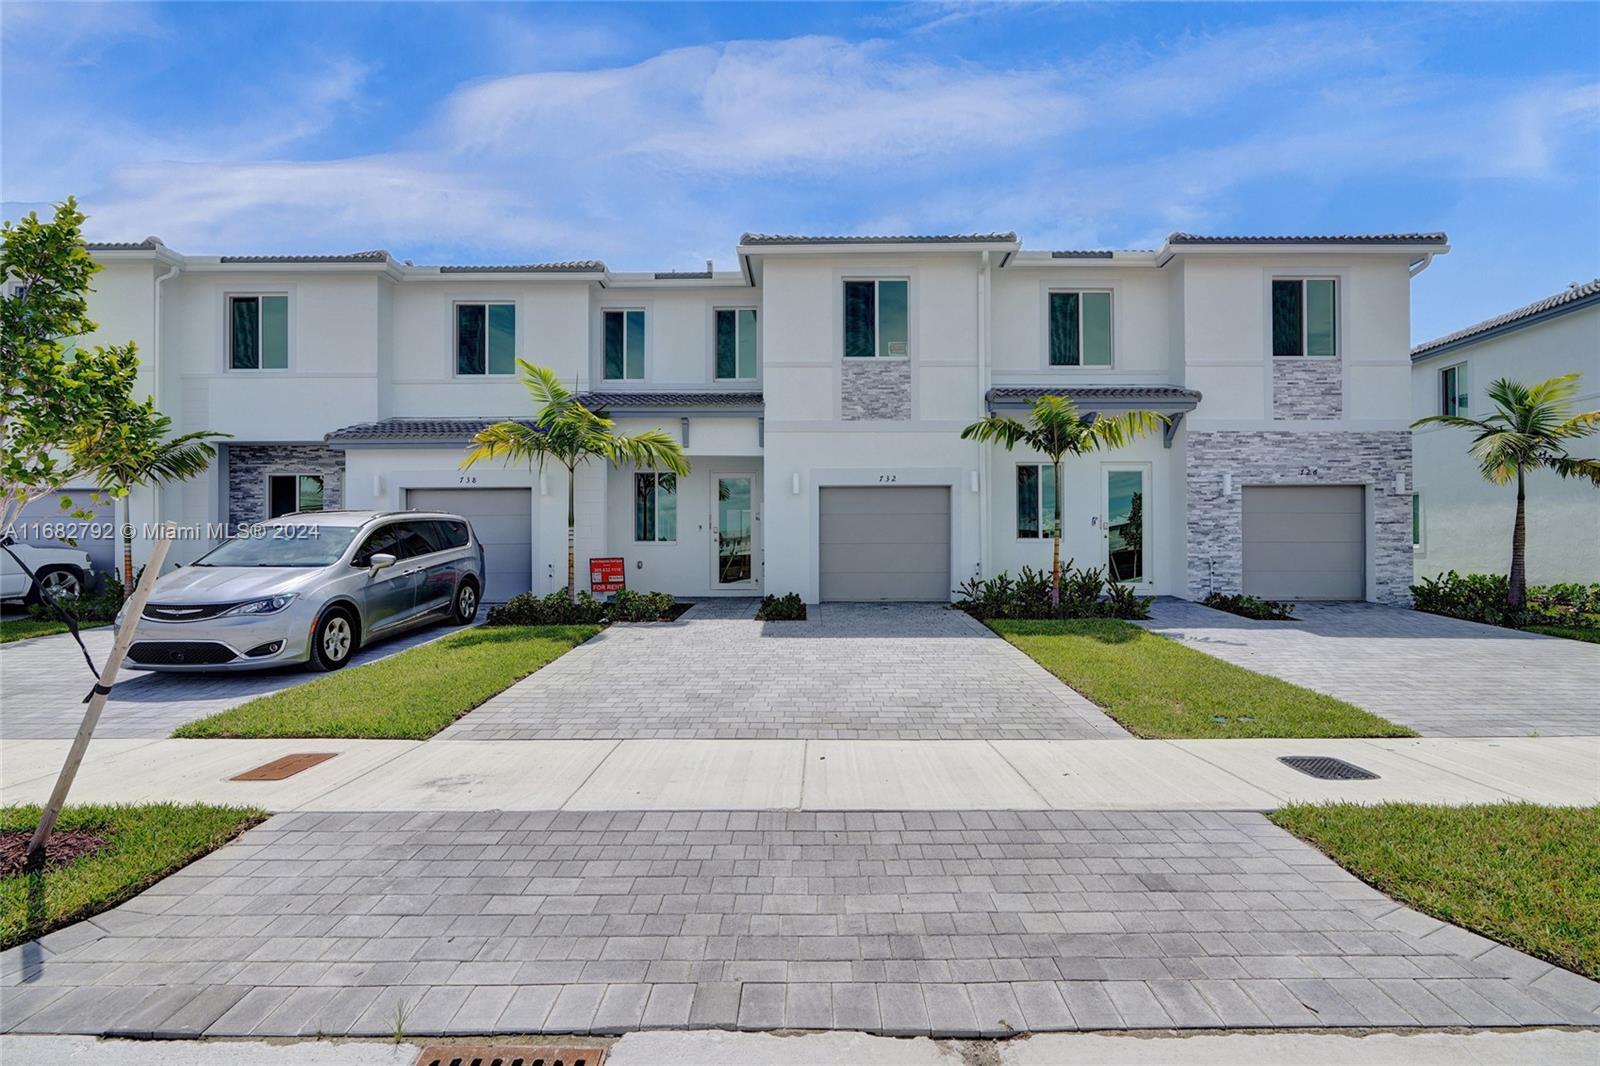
(607,574)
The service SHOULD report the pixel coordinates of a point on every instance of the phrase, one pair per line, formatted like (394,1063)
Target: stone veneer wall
(875,389)
(1270,457)
(1307,389)
(249,465)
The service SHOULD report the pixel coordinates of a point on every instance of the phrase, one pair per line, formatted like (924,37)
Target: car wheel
(59,581)
(334,640)
(466,608)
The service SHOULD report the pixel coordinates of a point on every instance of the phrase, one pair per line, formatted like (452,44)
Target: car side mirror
(380,561)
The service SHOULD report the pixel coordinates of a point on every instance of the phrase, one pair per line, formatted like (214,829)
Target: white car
(64,571)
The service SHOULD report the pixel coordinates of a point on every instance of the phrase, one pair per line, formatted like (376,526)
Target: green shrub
(630,606)
(554,609)
(101,605)
(1251,607)
(1084,594)
(786,608)
(1475,597)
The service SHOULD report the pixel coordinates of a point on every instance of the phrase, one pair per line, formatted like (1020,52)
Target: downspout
(984,465)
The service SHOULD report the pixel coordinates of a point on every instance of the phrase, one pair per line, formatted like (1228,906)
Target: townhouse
(820,391)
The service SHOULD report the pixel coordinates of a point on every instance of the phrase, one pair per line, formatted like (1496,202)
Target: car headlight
(270,605)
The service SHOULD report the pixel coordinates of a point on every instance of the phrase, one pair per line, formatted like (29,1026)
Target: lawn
(408,696)
(23,627)
(1158,688)
(143,844)
(1592,636)
(1524,875)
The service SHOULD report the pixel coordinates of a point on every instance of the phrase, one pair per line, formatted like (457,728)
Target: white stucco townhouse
(1462,522)
(820,391)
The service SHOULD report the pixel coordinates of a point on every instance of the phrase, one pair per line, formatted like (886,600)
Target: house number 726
(1309,471)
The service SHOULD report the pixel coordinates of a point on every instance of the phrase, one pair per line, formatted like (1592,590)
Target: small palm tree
(1525,433)
(127,455)
(569,433)
(1054,427)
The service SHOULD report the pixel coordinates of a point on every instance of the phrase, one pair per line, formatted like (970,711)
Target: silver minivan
(311,588)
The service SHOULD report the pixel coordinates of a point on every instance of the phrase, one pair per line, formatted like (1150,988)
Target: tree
(1055,428)
(139,453)
(1525,433)
(567,432)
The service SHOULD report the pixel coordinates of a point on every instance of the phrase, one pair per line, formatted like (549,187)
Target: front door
(1127,524)
(733,531)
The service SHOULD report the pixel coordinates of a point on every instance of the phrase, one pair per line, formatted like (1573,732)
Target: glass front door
(1126,520)
(734,530)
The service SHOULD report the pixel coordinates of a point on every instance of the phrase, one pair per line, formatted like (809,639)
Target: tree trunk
(1518,597)
(1055,546)
(572,521)
(127,544)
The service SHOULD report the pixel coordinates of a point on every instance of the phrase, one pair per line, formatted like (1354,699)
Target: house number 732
(888,477)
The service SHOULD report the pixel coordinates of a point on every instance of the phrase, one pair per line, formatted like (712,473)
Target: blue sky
(651,136)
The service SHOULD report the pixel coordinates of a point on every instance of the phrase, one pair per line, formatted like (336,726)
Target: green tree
(1054,427)
(567,432)
(1526,432)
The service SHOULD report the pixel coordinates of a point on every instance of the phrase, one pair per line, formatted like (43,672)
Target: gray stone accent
(1307,390)
(249,465)
(875,389)
(1273,457)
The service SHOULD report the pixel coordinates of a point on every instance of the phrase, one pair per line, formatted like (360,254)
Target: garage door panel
(884,543)
(502,520)
(926,586)
(1304,542)
(882,528)
(871,499)
(1325,527)
(892,559)
(1299,585)
(1324,557)
(1305,499)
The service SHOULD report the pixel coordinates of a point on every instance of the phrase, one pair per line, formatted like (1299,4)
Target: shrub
(1084,594)
(554,609)
(630,606)
(1251,607)
(1475,597)
(101,605)
(786,608)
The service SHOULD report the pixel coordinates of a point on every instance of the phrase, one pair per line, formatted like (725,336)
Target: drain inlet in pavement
(1327,768)
(510,1055)
(288,766)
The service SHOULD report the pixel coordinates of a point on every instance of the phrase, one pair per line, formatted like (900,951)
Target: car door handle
(413,570)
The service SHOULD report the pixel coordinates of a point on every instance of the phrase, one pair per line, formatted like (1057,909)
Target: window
(382,541)
(877,319)
(258,332)
(736,344)
(1453,389)
(1080,329)
(288,493)
(452,534)
(1416,519)
(486,338)
(1036,501)
(624,345)
(1303,317)
(418,538)
(655,507)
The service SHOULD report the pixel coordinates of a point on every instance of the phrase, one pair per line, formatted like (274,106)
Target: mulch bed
(676,612)
(65,845)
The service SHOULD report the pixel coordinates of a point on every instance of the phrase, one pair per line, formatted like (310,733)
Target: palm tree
(1054,427)
(1525,433)
(569,433)
(127,455)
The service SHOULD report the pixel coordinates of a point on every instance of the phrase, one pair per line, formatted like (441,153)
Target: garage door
(885,543)
(43,519)
(1304,542)
(502,519)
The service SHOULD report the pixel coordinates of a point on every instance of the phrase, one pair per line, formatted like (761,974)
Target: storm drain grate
(510,1055)
(1327,768)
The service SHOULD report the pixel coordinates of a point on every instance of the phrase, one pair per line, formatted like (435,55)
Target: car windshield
(282,545)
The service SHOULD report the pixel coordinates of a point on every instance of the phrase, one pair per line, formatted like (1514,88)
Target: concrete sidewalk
(378,775)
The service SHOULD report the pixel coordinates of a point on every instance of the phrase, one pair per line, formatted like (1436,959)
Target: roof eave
(879,247)
(1421,356)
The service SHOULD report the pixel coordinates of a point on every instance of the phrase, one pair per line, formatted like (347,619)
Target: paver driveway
(951,923)
(850,671)
(1441,676)
(43,682)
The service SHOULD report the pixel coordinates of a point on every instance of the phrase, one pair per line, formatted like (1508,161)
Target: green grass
(1524,875)
(25,627)
(1592,636)
(408,696)
(144,843)
(1158,688)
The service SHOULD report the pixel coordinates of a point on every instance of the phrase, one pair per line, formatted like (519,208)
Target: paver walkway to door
(1441,676)
(850,671)
(950,923)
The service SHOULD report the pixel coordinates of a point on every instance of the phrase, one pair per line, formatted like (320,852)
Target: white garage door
(1305,542)
(43,522)
(502,519)
(885,543)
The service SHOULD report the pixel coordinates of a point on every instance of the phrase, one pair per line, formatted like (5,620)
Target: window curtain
(246,335)
(860,312)
(1064,329)
(727,345)
(1286,318)
(469,338)
(1028,501)
(613,345)
(644,507)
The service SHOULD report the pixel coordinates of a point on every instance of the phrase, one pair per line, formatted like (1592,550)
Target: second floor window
(624,346)
(655,507)
(1080,329)
(486,338)
(736,345)
(258,332)
(1036,501)
(1303,317)
(1453,389)
(877,319)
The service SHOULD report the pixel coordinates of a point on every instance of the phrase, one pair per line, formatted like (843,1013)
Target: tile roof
(1338,238)
(461,430)
(1096,254)
(149,244)
(1085,395)
(683,275)
(377,255)
(570,266)
(441,430)
(613,401)
(940,238)
(1561,302)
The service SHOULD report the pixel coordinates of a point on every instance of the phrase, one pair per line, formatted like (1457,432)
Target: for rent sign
(606,574)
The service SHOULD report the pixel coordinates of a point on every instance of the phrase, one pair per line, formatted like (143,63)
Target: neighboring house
(820,391)
(1460,521)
